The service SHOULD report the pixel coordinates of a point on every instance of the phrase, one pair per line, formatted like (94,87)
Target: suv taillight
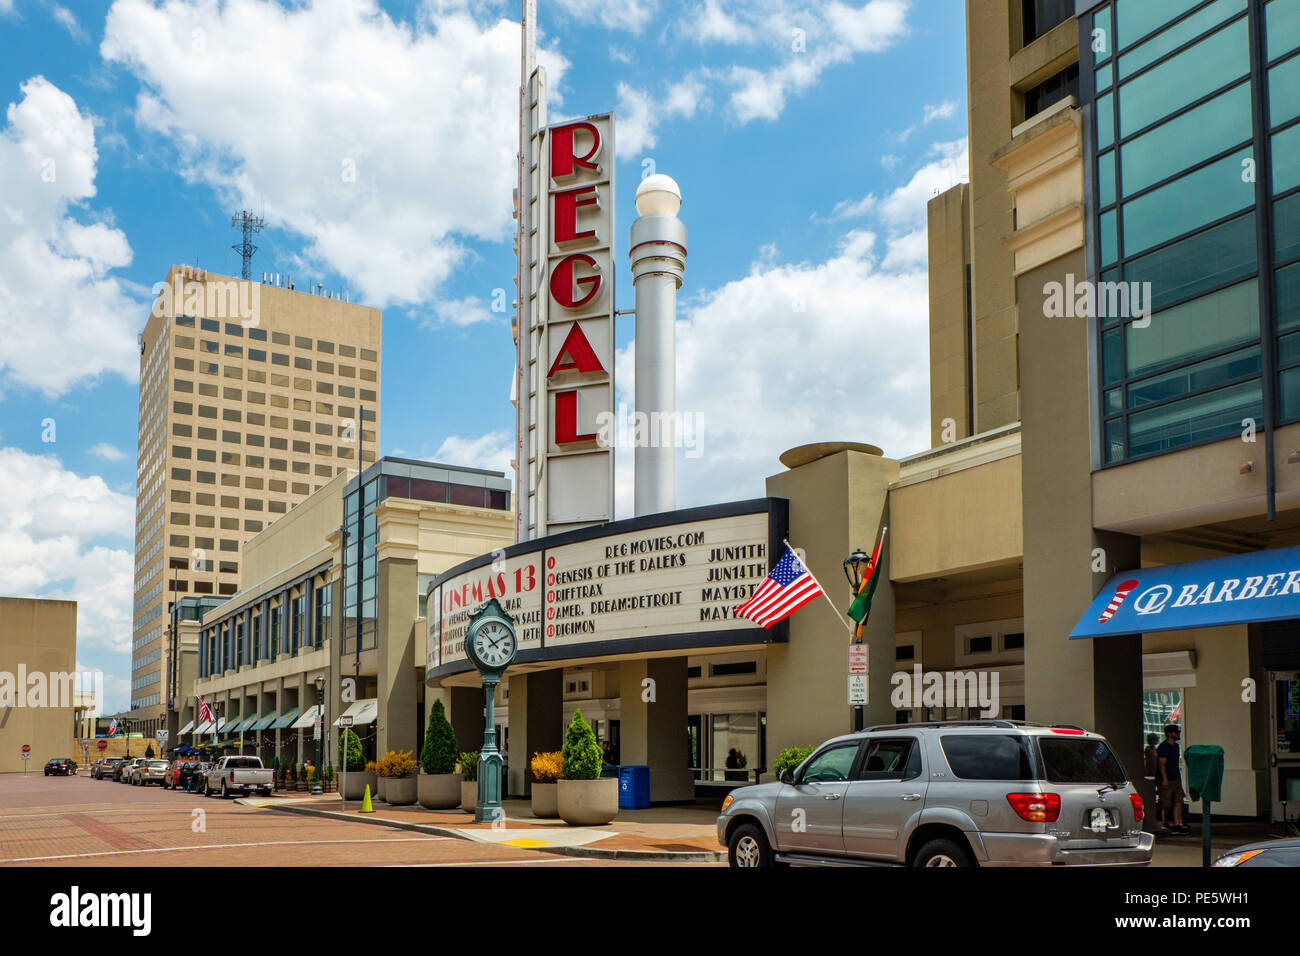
(1139,810)
(1036,807)
(232,776)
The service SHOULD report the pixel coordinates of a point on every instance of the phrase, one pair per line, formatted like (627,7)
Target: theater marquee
(659,582)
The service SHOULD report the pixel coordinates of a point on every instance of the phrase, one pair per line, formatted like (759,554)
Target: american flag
(787,587)
(205,712)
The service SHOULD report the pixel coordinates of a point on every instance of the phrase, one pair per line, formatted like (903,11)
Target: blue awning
(1239,589)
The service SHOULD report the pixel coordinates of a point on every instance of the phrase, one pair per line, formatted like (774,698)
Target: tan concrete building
(39,699)
(252,397)
(259,653)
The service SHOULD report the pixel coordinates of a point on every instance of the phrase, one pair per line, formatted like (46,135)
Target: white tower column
(658,253)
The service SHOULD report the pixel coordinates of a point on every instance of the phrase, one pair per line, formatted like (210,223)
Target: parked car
(122,772)
(237,775)
(104,767)
(179,773)
(148,771)
(60,767)
(1283,852)
(949,793)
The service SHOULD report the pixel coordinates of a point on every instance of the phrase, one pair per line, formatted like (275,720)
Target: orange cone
(365,803)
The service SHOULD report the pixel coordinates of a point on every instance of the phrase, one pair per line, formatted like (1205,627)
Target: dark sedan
(60,767)
(1284,852)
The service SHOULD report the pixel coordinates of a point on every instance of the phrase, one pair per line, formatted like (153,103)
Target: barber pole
(1121,593)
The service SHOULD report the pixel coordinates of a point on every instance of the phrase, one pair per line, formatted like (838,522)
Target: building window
(1042,15)
(1052,90)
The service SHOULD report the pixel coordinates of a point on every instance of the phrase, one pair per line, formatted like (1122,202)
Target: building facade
(252,397)
(40,700)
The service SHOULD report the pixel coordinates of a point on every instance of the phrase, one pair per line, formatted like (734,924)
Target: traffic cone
(365,802)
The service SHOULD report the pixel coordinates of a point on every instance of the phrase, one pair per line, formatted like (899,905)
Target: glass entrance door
(1284,745)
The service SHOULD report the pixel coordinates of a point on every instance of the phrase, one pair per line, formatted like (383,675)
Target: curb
(590,852)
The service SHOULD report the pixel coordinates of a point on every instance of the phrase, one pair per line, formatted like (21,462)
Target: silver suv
(953,793)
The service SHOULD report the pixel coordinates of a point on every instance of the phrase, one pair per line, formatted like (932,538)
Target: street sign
(316,726)
(27,748)
(161,735)
(859,659)
(102,744)
(346,720)
(857,689)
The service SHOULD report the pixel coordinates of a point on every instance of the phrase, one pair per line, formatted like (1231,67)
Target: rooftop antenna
(247,224)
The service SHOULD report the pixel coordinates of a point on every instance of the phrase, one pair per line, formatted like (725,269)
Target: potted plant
(291,777)
(396,771)
(148,752)
(302,777)
(280,776)
(329,777)
(439,786)
(546,769)
(583,796)
(469,782)
(353,759)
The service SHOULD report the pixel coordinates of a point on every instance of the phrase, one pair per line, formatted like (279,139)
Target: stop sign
(101,744)
(27,748)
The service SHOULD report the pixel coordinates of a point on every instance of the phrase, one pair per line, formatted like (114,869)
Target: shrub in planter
(439,786)
(329,778)
(396,771)
(546,769)
(789,758)
(148,752)
(469,783)
(354,758)
(583,797)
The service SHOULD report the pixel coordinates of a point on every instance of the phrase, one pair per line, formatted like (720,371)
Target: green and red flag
(860,609)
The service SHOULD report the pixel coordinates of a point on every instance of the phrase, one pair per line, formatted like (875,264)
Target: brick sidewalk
(682,834)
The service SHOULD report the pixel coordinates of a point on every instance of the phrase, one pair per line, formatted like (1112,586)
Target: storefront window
(736,751)
(1159,710)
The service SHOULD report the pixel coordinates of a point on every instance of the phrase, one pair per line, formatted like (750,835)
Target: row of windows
(270,631)
(148,595)
(148,701)
(146,680)
(239,373)
(146,617)
(249,481)
(277,338)
(148,637)
(145,659)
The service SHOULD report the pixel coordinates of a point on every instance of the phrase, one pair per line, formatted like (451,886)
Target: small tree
(469,766)
(148,752)
(438,755)
(354,759)
(582,755)
(789,758)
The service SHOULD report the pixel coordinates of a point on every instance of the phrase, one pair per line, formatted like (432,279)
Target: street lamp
(320,730)
(855,565)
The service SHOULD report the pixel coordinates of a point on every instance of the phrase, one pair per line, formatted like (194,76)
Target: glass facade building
(1192,139)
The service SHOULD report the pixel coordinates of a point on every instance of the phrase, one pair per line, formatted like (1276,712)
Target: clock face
(494,644)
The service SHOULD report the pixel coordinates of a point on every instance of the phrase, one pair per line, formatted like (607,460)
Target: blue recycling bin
(634,787)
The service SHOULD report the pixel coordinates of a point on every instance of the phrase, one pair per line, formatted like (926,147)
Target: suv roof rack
(1008,724)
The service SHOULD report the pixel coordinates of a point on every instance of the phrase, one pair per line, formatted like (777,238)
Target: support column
(536,722)
(466,713)
(653,732)
(396,654)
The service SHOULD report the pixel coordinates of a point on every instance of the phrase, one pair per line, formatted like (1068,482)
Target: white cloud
(639,114)
(461,312)
(52,525)
(937,111)
(108,452)
(630,15)
(387,146)
(493,450)
(68,20)
(904,208)
(65,319)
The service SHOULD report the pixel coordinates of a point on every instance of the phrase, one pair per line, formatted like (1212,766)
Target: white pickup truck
(231,776)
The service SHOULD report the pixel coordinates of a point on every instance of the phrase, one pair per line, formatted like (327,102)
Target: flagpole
(787,543)
(875,564)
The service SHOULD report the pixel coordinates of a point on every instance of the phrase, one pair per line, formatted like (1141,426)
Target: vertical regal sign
(577,480)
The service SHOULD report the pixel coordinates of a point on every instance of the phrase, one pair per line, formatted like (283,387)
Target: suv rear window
(989,756)
(243,763)
(1079,760)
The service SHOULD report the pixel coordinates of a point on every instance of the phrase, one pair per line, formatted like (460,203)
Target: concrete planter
(400,791)
(439,791)
(587,803)
(468,795)
(380,788)
(356,785)
(544,801)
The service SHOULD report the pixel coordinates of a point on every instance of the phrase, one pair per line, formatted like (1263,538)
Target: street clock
(491,645)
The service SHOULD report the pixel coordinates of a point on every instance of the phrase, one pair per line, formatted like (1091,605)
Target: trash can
(634,787)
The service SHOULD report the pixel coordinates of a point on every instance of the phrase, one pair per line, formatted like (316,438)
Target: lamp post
(320,730)
(854,566)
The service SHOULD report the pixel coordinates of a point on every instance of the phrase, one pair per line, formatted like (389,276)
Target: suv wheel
(943,853)
(748,847)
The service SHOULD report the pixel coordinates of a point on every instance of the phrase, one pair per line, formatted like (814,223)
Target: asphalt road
(76,821)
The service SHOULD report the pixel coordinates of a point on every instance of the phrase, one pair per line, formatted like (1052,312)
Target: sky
(377,139)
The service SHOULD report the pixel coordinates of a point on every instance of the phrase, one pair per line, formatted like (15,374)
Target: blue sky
(806,137)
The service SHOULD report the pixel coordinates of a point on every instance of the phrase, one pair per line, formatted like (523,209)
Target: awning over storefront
(285,719)
(227,724)
(204,728)
(361,712)
(186,729)
(1238,589)
(308,718)
(265,721)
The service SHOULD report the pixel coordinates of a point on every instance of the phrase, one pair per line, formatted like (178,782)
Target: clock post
(491,645)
